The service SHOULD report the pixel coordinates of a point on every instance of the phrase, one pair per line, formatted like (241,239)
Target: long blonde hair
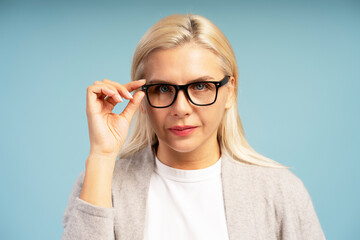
(173,31)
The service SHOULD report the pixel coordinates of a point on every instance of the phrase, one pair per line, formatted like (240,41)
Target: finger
(125,89)
(133,104)
(112,100)
(101,91)
(133,85)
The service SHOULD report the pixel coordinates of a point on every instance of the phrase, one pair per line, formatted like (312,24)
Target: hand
(107,130)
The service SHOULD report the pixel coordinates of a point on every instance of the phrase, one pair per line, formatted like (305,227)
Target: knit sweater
(260,203)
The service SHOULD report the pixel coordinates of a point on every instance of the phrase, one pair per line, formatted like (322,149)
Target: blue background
(298,98)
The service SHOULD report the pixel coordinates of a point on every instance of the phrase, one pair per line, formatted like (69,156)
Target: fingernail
(129,94)
(118,97)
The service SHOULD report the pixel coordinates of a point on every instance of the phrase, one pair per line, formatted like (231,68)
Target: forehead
(182,64)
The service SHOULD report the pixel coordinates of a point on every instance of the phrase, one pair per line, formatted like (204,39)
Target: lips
(182,130)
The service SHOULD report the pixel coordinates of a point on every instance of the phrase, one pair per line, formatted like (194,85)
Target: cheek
(216,114)
(156,118)
(212,116)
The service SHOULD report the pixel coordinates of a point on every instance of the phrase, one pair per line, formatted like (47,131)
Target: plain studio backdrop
(299,88)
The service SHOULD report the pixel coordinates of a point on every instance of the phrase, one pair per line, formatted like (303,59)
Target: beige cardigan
(260,203)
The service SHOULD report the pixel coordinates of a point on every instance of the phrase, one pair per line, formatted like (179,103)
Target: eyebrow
(199,79)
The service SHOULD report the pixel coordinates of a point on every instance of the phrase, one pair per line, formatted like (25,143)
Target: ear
(231,93)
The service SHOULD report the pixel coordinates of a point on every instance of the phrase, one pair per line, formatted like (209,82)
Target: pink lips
(182,130)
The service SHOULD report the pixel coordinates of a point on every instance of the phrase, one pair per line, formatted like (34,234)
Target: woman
(186,171)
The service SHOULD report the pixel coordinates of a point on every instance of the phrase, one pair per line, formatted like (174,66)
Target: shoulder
(280,185)
(278,198)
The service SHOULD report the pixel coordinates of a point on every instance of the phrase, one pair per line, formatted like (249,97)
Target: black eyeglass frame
(184,87)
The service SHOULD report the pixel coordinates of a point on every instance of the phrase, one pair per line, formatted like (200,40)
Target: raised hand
(108,130)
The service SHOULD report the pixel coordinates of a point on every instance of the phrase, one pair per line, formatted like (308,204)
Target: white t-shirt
(185,204)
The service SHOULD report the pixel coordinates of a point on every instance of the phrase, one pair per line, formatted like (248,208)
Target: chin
(181,146)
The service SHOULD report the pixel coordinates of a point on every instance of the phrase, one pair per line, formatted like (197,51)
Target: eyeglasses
(202,93)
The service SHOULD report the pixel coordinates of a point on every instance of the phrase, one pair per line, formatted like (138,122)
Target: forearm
(96,188)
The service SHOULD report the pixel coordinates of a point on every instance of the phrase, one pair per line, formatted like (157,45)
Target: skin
(108,130)
(179,66)
(107,133)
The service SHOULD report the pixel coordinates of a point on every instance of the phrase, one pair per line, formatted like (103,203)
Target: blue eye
(164,88)
(200,86)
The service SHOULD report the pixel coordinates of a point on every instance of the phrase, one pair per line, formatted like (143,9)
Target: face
(184,127)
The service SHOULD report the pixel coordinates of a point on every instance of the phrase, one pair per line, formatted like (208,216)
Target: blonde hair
(173,31)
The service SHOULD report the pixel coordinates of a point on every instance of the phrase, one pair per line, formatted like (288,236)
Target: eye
(164,88)
(199,86)
(202,86)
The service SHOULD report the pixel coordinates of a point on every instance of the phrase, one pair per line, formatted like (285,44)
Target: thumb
(133,104)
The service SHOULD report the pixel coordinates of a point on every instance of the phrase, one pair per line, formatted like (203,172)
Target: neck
(199,158)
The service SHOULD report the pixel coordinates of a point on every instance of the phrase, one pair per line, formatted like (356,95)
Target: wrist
(103,162)
(100,155)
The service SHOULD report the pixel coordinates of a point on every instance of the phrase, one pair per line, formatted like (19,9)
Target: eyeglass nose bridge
(185,89)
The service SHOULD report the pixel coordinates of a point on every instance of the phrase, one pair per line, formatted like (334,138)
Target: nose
(182,106)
